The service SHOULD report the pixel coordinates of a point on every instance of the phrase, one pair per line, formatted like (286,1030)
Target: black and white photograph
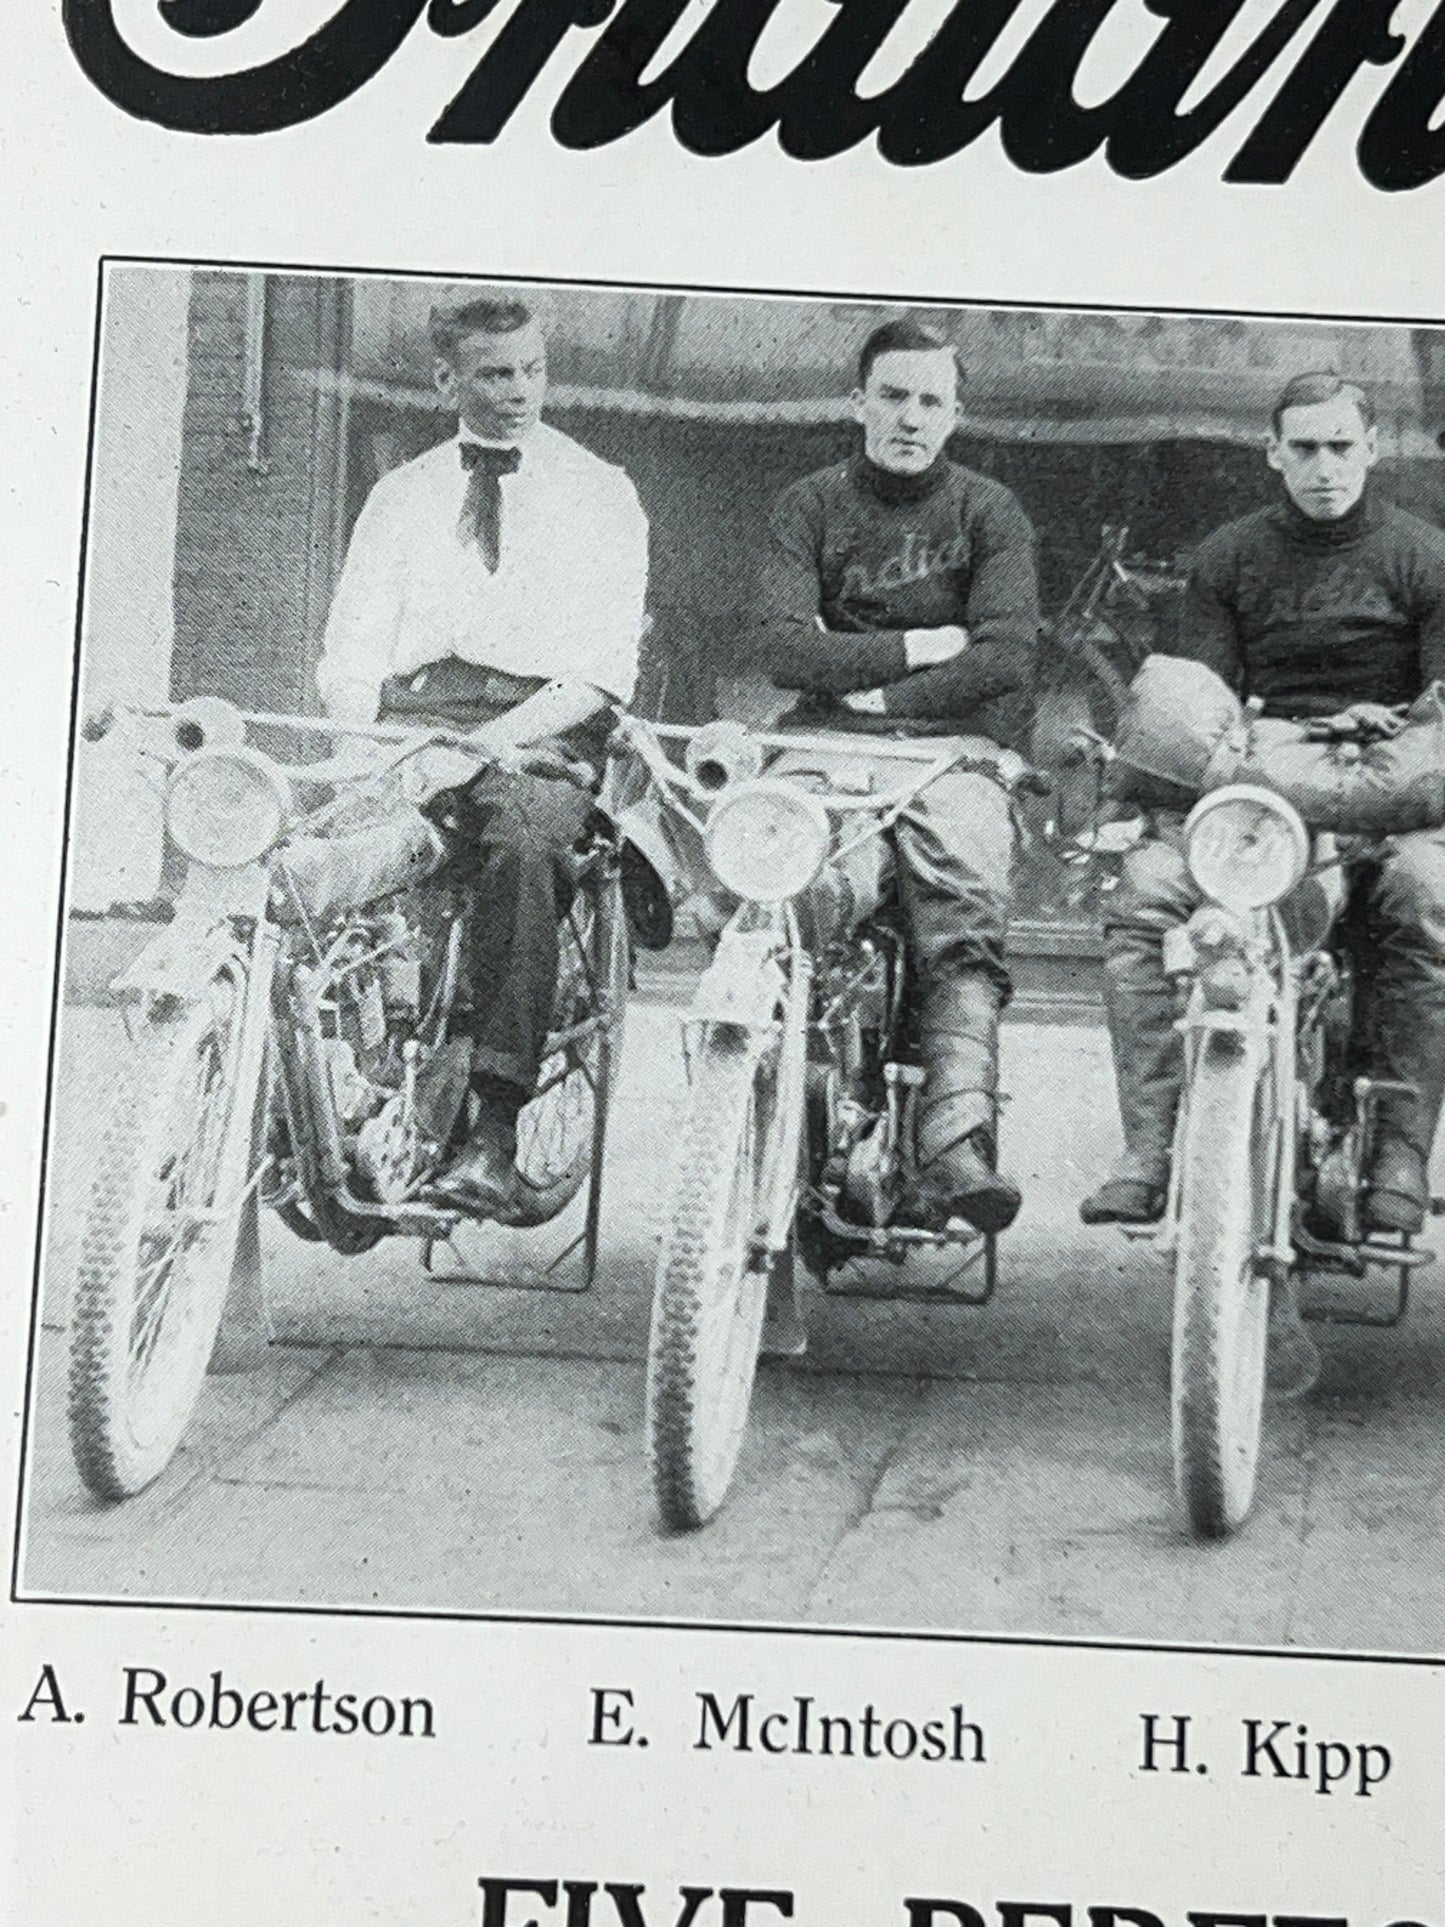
(750,959)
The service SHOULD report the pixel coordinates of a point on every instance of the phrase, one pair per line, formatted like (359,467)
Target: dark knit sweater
(1312,616)
(873,554)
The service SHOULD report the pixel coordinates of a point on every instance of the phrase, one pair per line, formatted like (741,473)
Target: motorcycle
(1274,1136)
(291,1048)
(798,1138)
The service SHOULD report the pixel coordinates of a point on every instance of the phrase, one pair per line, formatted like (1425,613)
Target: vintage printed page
(724,963)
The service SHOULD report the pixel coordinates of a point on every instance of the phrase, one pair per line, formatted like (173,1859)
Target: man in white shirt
(497,584)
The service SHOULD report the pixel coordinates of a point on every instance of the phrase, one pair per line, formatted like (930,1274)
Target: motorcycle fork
(1283,1016)
(1266,1023)
(219,924)
(256,1027)
(783,1153)
(760,982)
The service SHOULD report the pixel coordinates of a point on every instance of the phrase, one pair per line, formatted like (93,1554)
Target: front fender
(179,962)
(181,959)
(745,984)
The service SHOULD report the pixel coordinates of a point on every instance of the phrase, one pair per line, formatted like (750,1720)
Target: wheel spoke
(184,1184)
(159,1237)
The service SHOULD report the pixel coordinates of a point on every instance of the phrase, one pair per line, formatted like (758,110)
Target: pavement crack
(248,1435)
(1311,1455)
(869,1505)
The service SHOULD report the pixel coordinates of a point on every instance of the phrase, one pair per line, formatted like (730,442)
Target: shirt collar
(524,443)
(894,489)
(1338,533)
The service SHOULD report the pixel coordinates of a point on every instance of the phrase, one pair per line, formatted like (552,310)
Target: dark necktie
(481,517)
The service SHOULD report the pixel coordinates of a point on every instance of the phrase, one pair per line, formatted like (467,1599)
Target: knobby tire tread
(717,1116)
(1217,1234)
(104,1291)
(94,1307)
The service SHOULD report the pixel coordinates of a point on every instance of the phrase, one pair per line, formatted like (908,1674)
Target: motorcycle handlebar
(192,732)
(649,742)
(1353,729)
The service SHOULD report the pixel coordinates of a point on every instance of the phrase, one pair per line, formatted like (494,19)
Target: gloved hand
(547,758)
(1361,722)
(551,759)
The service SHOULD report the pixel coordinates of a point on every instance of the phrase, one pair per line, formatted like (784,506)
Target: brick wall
(255,546)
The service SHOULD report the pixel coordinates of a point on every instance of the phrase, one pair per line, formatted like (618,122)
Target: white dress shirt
(566,601)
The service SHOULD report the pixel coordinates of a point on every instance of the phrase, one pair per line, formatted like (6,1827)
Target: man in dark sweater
(1331,603)
(899,597)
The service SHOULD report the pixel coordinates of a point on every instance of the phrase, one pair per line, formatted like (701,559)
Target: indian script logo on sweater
(1346,594)
(915,562)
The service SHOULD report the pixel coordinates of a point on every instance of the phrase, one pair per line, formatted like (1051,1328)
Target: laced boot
(1397,1192)
(1149,1071)
(956,1174)
(1406,1036)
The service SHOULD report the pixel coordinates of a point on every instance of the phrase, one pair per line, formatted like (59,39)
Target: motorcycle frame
(214,903)
(761,978)
(312,1123)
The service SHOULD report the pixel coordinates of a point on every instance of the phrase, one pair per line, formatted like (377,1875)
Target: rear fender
(653,881)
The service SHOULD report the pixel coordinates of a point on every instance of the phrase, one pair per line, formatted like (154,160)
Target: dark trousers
(514,842)
(517,860)
(950,854)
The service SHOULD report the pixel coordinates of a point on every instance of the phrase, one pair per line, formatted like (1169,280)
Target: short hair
(1320,384)
(487,315)
(904,337)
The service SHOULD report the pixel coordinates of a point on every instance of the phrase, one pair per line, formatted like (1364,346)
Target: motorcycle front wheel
(712,1285)
(159,1240)
(1228,1160)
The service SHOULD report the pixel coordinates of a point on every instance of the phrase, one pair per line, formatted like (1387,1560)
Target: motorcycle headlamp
(1246,847)
(226,807)
(767,840)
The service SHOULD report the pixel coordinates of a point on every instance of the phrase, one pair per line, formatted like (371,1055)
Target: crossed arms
(934,672)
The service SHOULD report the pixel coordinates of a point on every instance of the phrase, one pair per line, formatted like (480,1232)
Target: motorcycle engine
(372,1056)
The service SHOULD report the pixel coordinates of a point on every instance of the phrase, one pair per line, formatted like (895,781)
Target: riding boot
(1404,1031)
(1149,1071)
(483,1178)
(958,1035)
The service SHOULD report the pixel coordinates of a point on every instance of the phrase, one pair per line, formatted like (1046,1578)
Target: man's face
(908,408)
(496,382)
(1324,453)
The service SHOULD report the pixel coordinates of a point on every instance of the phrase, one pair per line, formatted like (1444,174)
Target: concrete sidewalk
(421,1444)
